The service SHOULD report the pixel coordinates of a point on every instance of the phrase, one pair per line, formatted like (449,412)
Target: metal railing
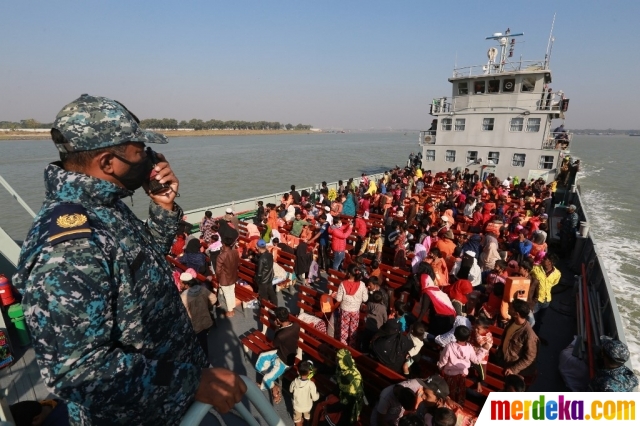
(198,410)
(249,204)
(533,101)
(492,69)
(558,140)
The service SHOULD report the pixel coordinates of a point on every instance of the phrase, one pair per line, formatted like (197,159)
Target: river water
(219,169)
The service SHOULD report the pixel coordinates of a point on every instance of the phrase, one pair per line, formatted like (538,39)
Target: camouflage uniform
(110,332)
(619,379)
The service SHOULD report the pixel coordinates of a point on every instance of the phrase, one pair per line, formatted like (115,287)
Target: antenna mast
(547,55)
(506,50)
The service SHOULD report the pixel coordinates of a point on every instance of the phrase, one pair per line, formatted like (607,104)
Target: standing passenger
(264,274)
(352,293)
(227,273)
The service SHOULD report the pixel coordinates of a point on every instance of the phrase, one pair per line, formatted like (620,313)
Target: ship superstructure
(498,118)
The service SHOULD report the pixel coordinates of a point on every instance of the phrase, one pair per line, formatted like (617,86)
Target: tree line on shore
(197,124)
(173,124)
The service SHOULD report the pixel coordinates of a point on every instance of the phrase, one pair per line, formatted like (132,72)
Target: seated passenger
(612,375)
(442,416)
(390,347)
(394,401)
(417,335)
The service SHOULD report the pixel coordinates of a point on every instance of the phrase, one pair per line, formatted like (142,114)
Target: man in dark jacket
(272,364)
(519,346)
(264,273)
(227,273)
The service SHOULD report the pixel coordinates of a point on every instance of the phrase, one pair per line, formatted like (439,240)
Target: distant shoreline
(20,136)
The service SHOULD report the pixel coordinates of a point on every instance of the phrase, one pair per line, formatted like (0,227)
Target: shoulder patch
(68,222)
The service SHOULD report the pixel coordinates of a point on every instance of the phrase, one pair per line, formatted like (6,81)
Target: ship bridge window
(516,125)
(463,88)
(478,87)
(528,84)
(519,160)
(430,155)
(508,84)
(494,86)
(450,156)
(460,124)
(493,157)
(546,162)
(446,124)
(533,125)
(472,156)
(487,124)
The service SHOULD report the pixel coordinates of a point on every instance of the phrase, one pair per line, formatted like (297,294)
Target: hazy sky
(351,64)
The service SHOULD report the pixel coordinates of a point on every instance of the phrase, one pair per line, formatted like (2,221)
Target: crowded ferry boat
(409,296)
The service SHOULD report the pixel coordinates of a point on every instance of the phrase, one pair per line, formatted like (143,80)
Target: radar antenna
(506,50)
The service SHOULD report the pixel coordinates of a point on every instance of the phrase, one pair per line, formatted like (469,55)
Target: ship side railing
(492,69)
(199,410)
(558,140)
(609,321)
(534,101)
(251,204)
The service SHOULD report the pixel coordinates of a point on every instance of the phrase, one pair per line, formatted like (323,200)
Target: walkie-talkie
(155,187)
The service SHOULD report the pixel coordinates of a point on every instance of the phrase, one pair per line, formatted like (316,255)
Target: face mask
(137,174)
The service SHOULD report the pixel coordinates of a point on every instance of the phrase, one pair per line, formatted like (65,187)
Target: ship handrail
(250,204)
(554,142)
(505,101)
(589,254)
(508,67)
(198,410)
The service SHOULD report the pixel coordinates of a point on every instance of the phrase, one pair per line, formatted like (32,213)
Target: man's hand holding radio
(163,174)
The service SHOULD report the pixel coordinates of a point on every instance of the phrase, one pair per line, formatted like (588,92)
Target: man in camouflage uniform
(110,333)
(614,376)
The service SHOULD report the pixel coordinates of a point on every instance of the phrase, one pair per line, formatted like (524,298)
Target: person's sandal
(230,314)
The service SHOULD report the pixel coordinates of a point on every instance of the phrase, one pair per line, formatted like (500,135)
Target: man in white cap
(327,211)
(446,225)
(230,217)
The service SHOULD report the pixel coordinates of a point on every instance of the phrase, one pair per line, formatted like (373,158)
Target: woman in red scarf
(459,290)
(351,294)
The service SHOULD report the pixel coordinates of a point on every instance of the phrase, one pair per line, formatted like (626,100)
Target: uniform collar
(72,187)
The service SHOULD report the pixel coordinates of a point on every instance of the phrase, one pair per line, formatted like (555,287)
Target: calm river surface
(218,169)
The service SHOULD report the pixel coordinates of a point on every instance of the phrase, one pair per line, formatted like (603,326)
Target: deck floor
(24,382)
(22,379)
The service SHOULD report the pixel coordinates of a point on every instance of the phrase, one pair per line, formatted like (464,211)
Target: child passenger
(418,331)
(304,394)
(482,341)
(454,363)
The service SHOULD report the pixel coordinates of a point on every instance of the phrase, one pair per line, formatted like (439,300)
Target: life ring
(427,138)
(508,85)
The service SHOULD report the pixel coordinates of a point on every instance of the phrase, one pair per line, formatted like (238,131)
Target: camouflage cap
(615,349)
(92,122)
